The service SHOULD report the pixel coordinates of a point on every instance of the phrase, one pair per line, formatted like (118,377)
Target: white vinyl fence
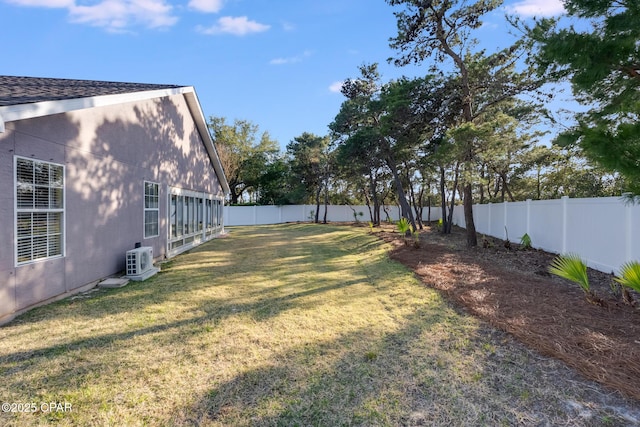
(605,232)
(261,215)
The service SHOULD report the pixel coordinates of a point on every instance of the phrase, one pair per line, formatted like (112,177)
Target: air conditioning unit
(140,263)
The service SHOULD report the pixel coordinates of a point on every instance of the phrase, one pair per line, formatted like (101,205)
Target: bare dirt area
(512,290)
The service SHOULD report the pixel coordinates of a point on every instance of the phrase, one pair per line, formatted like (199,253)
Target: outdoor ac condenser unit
(140,263)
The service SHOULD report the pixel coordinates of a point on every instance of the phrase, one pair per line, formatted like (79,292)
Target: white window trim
(16,210)
(145,209)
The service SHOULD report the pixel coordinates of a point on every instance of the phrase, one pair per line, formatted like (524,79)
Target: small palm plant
(404,227)
(629,278)
(525,241)
(630,275)
(571,267)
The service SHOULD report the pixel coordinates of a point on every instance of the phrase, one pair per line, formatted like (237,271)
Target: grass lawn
(293,324)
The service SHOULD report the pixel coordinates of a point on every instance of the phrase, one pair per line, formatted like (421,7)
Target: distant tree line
(467,131)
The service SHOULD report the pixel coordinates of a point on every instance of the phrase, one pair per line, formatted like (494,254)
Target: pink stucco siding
(108,153)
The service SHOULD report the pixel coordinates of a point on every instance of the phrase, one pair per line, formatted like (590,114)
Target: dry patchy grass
(283,325)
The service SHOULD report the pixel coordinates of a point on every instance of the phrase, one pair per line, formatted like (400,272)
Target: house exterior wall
(108,153)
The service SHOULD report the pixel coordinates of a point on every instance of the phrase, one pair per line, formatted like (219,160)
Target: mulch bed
(512,290)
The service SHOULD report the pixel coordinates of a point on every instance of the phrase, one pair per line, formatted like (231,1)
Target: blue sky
(276,63)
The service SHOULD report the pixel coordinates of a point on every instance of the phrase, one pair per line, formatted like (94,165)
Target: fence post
(528,226)
(628,231)
(564,201)
(489,219)
(506,213)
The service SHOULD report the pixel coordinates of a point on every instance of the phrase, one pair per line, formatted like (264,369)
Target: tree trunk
(472,238)
(376,202)
(467,112)
(367,202)
(482,175)
(414,202)
(449,222)
(402,197)
(417,206)
(318,191)
(506,187)
(443,198)
(326,203)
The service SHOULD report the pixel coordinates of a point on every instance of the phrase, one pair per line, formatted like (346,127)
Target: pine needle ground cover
(293,324)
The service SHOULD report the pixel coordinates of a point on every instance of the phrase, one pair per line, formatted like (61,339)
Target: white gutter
(11,113)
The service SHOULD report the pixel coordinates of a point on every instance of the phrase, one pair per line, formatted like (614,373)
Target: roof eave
(10,113)
(203,129)
(45,108)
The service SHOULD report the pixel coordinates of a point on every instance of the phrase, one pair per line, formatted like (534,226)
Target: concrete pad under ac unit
(113,282)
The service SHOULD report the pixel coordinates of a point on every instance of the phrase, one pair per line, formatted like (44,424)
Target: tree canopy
(442,31)
(600,55)
(244,155)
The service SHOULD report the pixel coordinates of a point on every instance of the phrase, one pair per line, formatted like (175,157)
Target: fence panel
(516,220)
(239,215)
(546,225)
(596,230)
(603,231)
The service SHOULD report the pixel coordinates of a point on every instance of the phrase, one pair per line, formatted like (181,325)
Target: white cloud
(540,8)
(336,87)
(292,59)
(119,14)
(286,26)
(44,3)
(238,26)
(207,6)
(114,15)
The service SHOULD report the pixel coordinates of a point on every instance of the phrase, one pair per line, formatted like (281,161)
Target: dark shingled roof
(26,90)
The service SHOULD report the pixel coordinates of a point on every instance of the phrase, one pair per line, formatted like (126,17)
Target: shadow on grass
(260,301)
(367,378)
(403,358)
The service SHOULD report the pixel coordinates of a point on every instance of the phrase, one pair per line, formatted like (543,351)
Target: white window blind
(151,209)
(40,210)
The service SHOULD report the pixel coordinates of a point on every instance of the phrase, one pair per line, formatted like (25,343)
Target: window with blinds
(40,210)
(151,209)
